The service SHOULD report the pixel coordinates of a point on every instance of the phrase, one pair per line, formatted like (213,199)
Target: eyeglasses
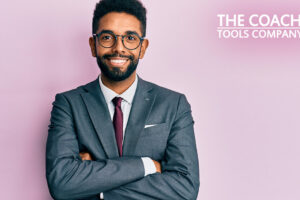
(130,41)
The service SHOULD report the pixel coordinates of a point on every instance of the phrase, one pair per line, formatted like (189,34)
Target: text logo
(258,26)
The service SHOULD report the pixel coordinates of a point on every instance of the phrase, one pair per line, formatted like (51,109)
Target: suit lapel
(141,107)
(99,114)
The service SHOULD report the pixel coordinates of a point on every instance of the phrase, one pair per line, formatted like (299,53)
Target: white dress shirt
(127,98)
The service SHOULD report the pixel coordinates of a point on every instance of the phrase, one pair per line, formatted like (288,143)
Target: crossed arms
(70,177)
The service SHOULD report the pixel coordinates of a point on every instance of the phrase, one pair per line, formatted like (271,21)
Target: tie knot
(117,101)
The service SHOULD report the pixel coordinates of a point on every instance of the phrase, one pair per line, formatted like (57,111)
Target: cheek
(102,51)
(135,54)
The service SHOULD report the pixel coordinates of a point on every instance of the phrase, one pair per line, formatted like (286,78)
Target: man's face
(118,63)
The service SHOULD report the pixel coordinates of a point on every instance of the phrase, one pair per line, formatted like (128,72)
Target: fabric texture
(118,123)
(160,126)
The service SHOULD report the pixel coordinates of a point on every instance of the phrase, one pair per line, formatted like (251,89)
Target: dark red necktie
(118,123)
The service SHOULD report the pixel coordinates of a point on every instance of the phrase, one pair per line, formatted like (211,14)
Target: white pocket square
(150,125)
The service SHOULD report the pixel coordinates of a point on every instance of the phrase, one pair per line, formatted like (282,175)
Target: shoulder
(167,96)
(161,91)
(170,99)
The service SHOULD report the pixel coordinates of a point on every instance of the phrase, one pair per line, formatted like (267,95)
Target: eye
(131,38)
(106,37)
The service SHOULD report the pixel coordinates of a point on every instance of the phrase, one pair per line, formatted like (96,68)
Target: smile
(117,61)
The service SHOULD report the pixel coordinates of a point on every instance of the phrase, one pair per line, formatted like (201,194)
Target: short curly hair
(133,7)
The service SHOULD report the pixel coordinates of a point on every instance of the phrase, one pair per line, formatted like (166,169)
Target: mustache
(106,56)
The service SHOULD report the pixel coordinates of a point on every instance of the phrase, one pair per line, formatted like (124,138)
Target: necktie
(118,123)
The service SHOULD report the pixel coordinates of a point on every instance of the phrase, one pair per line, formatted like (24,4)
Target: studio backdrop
(239,75)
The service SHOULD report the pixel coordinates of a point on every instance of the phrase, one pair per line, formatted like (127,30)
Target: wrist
(149,166)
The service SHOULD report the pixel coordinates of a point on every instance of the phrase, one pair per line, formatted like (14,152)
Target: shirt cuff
(149,166)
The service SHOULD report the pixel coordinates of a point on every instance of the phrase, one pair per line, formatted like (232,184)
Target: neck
(118,86)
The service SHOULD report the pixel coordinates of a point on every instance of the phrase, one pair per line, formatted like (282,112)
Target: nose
(118,47)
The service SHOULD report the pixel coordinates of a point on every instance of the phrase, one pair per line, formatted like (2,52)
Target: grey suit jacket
(80,121)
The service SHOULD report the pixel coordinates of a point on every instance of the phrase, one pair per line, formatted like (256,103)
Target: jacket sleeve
(69,177)
(180,170)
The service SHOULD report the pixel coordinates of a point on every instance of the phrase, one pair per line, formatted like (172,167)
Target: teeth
(118,61)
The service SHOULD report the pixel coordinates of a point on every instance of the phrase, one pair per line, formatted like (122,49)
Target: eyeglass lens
(130,41)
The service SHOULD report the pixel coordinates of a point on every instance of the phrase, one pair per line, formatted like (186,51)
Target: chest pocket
(153,141)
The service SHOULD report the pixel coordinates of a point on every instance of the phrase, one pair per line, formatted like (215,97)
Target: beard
(116,74)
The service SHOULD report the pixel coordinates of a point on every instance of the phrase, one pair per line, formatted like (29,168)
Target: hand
(158,166)
(85,156)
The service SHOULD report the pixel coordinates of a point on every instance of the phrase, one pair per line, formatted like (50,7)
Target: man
(120,137)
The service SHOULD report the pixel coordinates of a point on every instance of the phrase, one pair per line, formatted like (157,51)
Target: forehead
(119,23)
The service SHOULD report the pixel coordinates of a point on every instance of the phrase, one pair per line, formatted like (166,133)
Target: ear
(92,46)
(144,46)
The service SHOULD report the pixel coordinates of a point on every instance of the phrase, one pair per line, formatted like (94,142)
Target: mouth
(117,61)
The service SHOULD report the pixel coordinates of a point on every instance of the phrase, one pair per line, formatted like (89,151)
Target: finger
(83,157)
(81,154)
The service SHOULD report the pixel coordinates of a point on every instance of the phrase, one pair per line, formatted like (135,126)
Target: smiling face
(117,63)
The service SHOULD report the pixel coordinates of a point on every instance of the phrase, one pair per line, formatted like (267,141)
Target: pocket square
(150,125)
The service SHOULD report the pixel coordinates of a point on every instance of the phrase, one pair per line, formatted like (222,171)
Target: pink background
(244,93)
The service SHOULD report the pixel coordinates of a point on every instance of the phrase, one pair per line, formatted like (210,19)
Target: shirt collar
(127,95)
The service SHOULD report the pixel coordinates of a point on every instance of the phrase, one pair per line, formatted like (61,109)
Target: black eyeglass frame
(96,36)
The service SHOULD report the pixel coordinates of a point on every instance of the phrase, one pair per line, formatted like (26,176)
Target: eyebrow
(132,32)
(105,31)
(127,32)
